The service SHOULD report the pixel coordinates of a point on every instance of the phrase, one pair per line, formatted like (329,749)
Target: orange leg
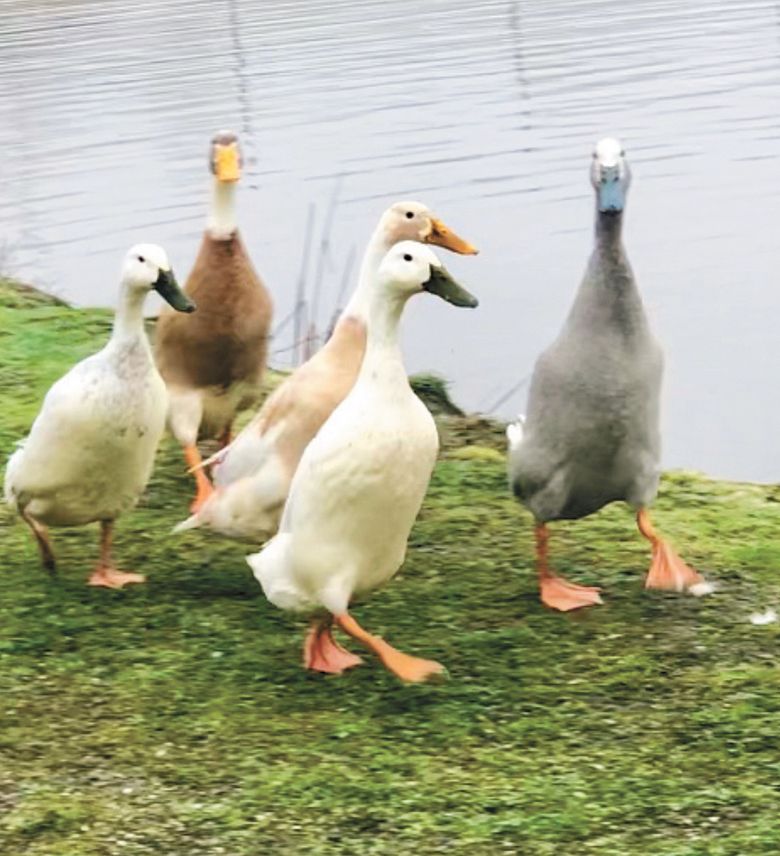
(204,486)
(322,653)
(41,534)
(106,574)
(557,592)
(667,570)
(407,668)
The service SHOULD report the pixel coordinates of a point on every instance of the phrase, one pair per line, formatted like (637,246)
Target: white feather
(768,616)
(514,433)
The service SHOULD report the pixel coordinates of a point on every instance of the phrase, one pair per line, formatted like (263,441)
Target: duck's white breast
(91,449)
(356,494)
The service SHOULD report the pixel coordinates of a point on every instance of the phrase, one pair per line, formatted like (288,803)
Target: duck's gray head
(610,176)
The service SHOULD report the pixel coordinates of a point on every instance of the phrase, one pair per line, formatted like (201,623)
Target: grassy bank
(174,718)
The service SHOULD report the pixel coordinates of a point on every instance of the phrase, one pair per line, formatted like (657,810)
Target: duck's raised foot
(669,572)
(558,593)
(112,578)
(411,670)
(322,653)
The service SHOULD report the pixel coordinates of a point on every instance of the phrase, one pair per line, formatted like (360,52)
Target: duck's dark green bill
(167,287)
(443,285)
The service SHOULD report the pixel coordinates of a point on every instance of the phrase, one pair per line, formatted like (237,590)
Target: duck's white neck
(222,214)
(129,316)
(383,361)
(361,297)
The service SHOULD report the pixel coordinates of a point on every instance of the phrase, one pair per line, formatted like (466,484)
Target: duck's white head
(610,176)
(225,159)
(410,267)
(413,221)
(146,267)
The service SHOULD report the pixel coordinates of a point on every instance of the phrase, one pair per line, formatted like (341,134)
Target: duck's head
(610,176)
(413,221)
(225,157)
(146,267)
(410,268)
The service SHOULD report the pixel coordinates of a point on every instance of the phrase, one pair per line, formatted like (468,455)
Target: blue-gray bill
(612,198)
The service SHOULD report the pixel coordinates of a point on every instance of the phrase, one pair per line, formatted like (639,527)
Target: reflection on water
(486,111)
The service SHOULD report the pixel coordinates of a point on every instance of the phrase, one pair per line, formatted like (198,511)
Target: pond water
(485,111)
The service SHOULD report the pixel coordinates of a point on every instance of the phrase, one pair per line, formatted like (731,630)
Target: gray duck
(591,435)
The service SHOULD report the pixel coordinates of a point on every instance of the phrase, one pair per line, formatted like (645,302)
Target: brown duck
(213,366)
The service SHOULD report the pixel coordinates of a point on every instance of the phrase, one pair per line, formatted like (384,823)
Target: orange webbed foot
(322,653)
(669,572)
(112,578)
(558,593)
(411,670)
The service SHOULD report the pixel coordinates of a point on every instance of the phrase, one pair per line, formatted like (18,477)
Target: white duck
(254,473)
(361,481)
(91,448)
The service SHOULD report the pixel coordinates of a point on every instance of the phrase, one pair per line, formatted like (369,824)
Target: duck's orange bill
(226,163)
(442,236)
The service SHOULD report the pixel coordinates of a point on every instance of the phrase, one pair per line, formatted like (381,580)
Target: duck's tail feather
(9,492)
(514,433)
(192,522)
(271,568)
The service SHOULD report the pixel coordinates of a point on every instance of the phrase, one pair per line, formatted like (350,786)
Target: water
(486,111)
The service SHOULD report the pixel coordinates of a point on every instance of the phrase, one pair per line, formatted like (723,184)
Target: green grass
(174,718)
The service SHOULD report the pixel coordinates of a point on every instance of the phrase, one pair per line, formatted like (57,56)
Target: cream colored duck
(361,481)
(213,364)
(91,448)
(255,471)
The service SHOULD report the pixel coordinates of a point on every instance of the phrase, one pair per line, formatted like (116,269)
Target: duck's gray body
(592,434)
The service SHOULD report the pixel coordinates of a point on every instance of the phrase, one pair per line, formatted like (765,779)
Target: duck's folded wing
(288,420)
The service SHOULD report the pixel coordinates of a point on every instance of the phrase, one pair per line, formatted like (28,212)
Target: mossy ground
(174,718)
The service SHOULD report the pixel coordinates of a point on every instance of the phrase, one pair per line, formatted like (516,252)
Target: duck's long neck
(222,213)
(359,303)
(383,361)
(129,316)
(608,295)
(609,236)
(609,268)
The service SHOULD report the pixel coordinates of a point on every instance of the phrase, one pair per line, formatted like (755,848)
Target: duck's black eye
(407,257)
(409,215)
(141,259)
